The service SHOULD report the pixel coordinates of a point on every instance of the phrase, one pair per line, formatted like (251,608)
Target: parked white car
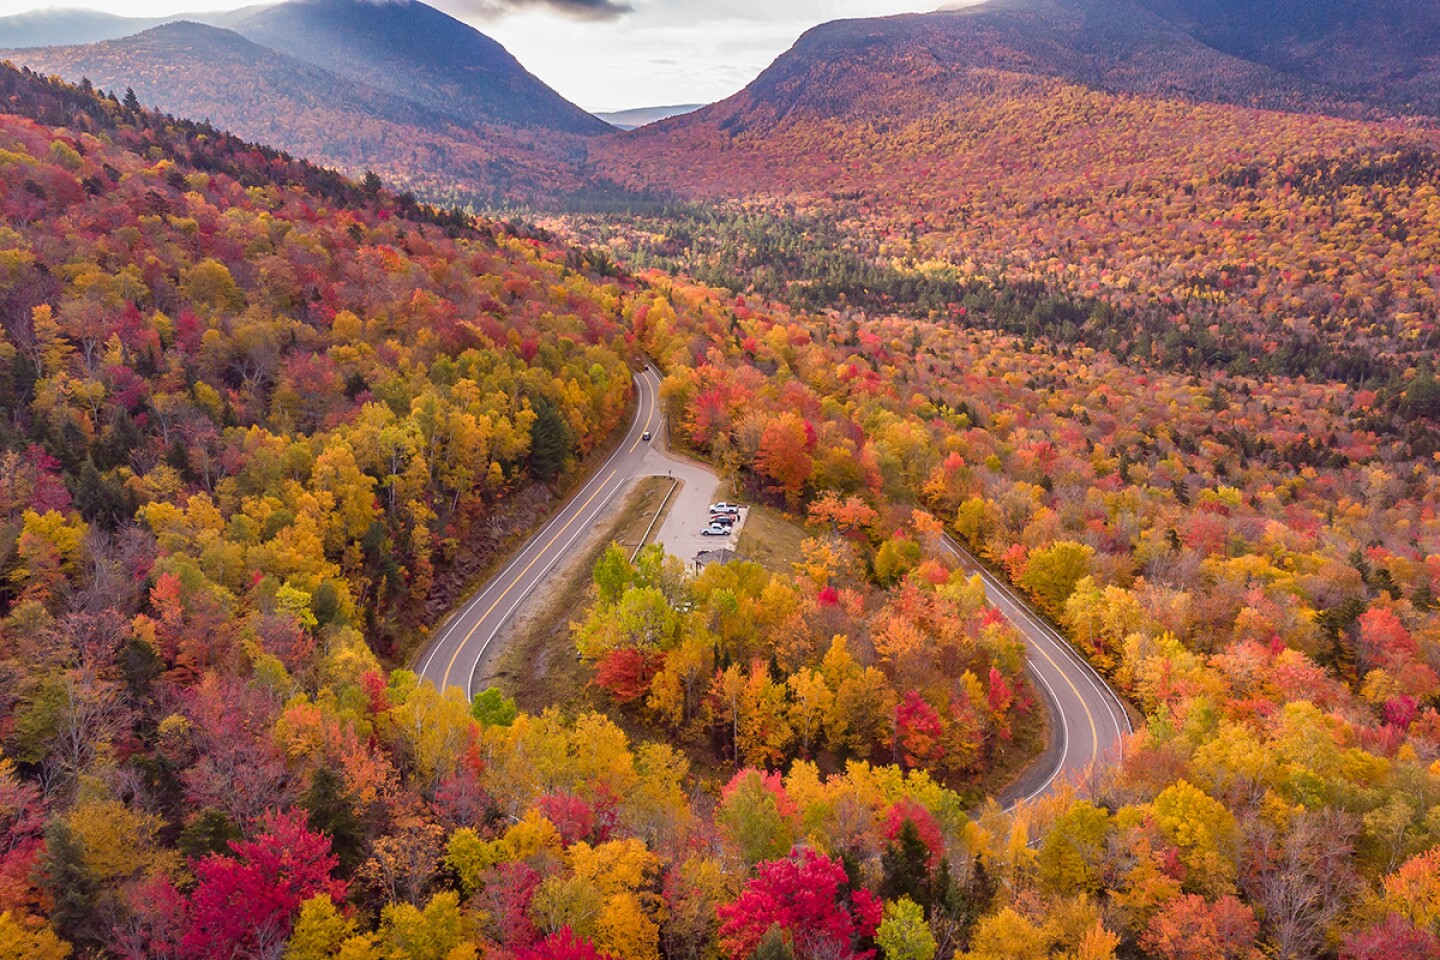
(715,530)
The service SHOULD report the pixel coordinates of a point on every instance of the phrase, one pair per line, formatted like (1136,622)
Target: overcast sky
(611,54)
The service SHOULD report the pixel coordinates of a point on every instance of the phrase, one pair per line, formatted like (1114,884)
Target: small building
(704,558)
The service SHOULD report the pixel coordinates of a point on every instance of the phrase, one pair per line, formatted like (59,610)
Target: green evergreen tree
(331,811)
(906,862)
(120,441)
(140,665)
(209,831)
(71,885)
(1422,395)
(1423,598)
(550,441)
(100,499)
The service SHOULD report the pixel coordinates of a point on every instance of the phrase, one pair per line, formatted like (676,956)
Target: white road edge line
(1092,675)
(535,540)
(1019,612)
(520,598)
(580,529)
(1064,742)
(1040,632)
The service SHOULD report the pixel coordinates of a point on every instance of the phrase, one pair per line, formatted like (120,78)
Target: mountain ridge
(415,51)
(1087,148)
(873,65)
(402,89)
(1386,49)
(69,26)
(637,117)
(149,61)
(193,69)
(404,48)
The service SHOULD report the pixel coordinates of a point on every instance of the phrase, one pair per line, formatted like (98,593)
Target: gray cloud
(576,9)
(666,51)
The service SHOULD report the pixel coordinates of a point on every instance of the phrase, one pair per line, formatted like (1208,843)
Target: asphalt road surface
(459,643)
(1088,720)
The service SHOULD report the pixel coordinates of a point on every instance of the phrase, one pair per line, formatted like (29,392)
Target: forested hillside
(1166,367)
(1254,563)
(412,50)
(398,88)
(1174,230)
(1387,50)
(193,70)
(257,412)
(253,411)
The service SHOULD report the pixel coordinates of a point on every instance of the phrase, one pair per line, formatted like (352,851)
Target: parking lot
(689,512)
(687,519)
(707,524)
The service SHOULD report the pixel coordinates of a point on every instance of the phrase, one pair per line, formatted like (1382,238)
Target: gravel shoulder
(532,657)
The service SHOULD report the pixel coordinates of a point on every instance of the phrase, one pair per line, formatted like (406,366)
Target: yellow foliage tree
(26,938)
(320,930)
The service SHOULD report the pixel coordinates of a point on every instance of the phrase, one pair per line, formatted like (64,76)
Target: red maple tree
(245,905)
(809,898)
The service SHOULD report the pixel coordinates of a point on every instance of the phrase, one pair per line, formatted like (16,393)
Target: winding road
(460,642)
(1088,719)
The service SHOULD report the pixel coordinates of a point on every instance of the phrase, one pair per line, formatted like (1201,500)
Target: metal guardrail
(645,537)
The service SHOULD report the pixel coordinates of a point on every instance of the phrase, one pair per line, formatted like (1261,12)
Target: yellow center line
(1094,737)
(445,681)
(1040,648)
(648,417)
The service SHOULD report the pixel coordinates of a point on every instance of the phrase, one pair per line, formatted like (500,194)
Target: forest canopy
(264,421)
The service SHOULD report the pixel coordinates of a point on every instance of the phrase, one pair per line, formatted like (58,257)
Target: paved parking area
(690,511)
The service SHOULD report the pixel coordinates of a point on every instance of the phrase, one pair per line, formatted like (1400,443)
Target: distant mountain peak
(397,88)
(415,51)
(1221,51)
(641,116)
(405,48)
(194,29)
(195,69)
(68,26)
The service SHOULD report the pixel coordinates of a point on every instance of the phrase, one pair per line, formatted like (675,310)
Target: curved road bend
(1088,719)
(457,646)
